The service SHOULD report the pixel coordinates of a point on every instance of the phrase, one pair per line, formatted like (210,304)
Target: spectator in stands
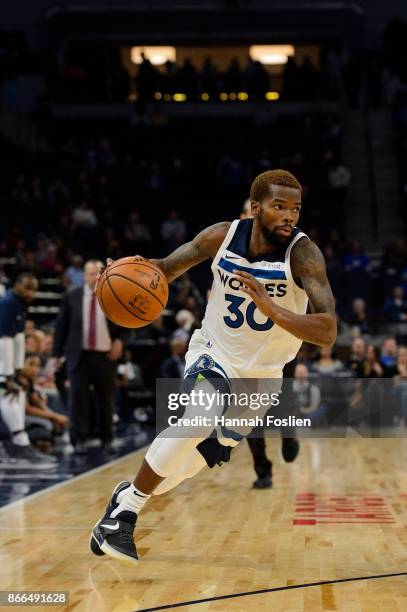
(84,216)
(326,362)
(307,396)
(138,234)
(128,377)
(174,366)
(92,346)
(47,346)
(209,77)
(290,89)
(355,258)
(185,320)
(371,365)
(74,273)
(38,414)
(358,317)
(33,343)
(339,179)
(357,357)
(334,271)
(308,80)
(395,308)
(173,231)
(357,278)
(29,327)
(191,304)
(156,331)
(187,78)
(233,77)
(51,264)
(388,357)
(183,288)
(147,80)
(393,264)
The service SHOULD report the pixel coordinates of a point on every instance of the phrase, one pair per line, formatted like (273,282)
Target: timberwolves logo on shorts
(205,362)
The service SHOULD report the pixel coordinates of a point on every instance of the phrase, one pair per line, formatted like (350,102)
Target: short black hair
(22,276)
(260,187)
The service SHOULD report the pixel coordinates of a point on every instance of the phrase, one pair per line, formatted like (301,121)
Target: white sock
(12,410)
(131,500)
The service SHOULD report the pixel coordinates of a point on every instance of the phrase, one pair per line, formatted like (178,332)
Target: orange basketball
(131,292)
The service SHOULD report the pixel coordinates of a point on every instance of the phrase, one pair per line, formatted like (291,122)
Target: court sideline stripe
(261,591)
(70,481)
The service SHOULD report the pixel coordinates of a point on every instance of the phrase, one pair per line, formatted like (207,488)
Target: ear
(255,206)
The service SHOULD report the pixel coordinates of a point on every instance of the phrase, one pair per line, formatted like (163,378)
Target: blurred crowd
(83,80)
(54,410)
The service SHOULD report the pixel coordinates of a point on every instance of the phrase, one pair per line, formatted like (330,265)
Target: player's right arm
(204,246)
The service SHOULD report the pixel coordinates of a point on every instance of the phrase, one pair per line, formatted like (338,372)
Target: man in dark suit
(92,345)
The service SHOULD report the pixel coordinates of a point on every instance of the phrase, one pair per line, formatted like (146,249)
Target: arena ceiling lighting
(271,54)
(156,55)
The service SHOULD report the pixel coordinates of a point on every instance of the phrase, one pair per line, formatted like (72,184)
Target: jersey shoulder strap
(228,239)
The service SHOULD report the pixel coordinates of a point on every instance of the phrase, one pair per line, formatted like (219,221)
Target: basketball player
(265,270)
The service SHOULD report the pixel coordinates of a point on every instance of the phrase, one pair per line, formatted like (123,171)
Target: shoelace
(126,537)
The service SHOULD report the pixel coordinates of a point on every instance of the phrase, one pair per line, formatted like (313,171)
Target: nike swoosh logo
(231,257)
(113,527)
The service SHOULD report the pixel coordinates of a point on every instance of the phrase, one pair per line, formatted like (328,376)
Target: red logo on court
(313,509)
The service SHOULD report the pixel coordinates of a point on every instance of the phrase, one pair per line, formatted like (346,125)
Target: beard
(271,237)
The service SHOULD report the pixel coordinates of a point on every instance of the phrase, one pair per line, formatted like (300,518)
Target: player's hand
(256,291)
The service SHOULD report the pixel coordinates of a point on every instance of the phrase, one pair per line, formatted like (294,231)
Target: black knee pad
(213,452)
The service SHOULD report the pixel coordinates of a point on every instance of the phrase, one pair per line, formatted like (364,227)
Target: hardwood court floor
(339,512)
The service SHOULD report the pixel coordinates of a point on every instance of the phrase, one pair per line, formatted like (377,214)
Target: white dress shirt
(103,340)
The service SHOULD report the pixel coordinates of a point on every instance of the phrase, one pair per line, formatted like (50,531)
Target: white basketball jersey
(234,331)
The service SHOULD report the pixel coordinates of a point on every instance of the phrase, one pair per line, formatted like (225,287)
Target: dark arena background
(126,128)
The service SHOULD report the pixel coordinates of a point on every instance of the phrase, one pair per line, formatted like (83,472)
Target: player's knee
(213,452)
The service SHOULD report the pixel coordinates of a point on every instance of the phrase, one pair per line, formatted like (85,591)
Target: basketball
(132,292)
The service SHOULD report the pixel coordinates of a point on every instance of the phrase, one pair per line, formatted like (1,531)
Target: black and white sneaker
(115,537)
(112,505)
(28,457)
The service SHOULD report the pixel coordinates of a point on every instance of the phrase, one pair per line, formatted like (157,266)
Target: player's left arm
(308,268)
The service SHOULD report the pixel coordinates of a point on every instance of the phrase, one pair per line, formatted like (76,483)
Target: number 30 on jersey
(237,314)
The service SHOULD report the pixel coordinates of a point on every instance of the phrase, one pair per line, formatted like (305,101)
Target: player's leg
(168,457)
(290,446)
(262,465)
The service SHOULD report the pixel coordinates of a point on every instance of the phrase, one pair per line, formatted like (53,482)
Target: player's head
(91,271)
(275,198)
(26,286)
